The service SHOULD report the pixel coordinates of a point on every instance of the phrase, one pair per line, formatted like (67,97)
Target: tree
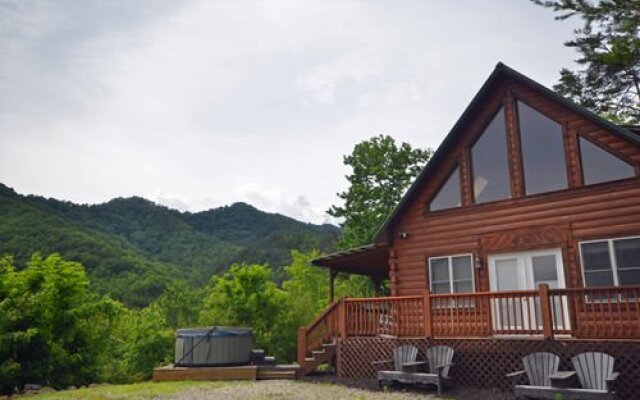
(382,172)
(246,295)
(50,324)
(608,45)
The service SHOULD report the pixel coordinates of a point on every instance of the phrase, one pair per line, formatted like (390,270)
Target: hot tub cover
(213,331)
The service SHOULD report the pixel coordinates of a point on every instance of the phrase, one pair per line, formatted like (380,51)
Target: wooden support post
(545,311)
(332,279)
(426,312)
(342,319)
(302,345)
(377,286)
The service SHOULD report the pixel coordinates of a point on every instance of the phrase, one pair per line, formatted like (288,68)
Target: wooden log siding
(584,212)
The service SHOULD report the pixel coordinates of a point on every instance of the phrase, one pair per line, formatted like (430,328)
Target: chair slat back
(439,355)
(404,354)
(593,369)
(539,367)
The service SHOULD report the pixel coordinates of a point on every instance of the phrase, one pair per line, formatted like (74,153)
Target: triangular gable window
(542,146)
(490,164)
(599,165)
(449,194)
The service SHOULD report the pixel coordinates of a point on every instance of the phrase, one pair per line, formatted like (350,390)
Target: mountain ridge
(133,248)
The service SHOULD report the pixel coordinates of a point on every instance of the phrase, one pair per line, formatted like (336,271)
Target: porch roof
(370,260)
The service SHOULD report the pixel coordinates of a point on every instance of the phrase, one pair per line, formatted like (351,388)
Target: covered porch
(371,260)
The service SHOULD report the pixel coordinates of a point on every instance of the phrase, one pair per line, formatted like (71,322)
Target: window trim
(450,268)
(612,257)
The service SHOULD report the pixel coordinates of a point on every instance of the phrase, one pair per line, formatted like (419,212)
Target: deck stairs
(317,342)
(323,355)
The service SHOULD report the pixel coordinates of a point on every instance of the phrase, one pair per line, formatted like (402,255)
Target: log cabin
(521,234)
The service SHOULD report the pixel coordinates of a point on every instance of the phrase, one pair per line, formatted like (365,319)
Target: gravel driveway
(292,390)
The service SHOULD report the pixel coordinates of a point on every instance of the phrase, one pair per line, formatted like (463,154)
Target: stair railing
(321,330)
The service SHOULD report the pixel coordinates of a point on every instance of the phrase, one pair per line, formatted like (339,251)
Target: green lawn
(136,391)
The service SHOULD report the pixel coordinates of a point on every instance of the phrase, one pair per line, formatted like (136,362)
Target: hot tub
(213,346)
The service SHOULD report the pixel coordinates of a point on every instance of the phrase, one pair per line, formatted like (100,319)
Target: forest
(56,330)
(133,249)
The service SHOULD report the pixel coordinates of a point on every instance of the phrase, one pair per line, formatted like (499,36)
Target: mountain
(132,248)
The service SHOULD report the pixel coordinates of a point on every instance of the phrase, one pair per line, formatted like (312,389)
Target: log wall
(550,220)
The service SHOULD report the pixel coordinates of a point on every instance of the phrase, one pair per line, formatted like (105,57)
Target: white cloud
(186,102)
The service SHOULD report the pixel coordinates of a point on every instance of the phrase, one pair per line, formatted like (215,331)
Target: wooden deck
(245,372)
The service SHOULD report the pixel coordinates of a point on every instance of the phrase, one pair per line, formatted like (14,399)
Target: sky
(200,104)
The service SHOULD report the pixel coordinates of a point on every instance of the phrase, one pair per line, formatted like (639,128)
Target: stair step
(318,352)
(310,359)
(328,345)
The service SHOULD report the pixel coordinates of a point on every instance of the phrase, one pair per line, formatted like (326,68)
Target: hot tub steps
(245,372)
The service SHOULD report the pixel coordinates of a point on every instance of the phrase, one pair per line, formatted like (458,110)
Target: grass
(136,391)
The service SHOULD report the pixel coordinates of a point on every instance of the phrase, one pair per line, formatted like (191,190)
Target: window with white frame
(451,274)
(611,262)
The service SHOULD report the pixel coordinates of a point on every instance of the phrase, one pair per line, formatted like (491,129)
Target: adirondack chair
(438,363)
(595,371)
(538,367)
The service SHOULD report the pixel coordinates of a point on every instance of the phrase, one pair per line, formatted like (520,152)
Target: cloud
(274,200)
(198,104)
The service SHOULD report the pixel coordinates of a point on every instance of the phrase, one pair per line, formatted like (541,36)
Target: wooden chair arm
(415,363)
(610,382)
(379,365)
(563,375)
(440,368)
(612,377)
(515,375)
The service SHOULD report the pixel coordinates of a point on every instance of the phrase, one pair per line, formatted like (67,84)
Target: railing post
(342,319)
(302,345)
(426,312)
(545,310)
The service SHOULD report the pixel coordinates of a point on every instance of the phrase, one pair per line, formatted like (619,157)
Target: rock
(46,389)
(71,387)
(31,387)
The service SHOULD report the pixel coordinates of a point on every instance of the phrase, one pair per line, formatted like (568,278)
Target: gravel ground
(292,390)
(319,389)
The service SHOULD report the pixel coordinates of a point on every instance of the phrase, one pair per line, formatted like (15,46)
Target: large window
(598,165)
(490,163)
(449,194)
(542,146)
(611,262)
(452,274)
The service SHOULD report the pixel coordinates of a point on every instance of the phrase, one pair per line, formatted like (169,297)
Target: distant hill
(132,247)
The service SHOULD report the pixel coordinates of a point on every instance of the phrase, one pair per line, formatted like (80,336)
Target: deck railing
(583,313)
(321,330)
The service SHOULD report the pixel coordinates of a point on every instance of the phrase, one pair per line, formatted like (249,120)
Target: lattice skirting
(483,363)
